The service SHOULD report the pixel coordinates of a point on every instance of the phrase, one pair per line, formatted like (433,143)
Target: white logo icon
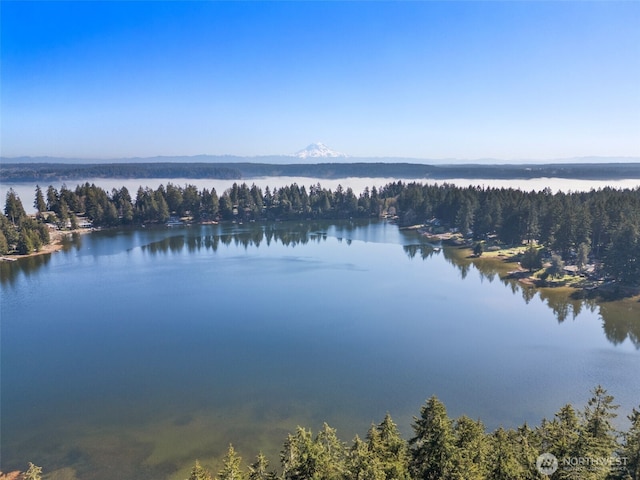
(547,463)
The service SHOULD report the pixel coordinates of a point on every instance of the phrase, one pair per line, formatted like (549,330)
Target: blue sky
(464,80)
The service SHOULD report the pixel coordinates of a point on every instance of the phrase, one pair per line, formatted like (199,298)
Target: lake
(134,352)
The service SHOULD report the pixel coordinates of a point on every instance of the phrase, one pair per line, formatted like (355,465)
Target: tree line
(573,445)
(600,225)
(228,167)
(584,443)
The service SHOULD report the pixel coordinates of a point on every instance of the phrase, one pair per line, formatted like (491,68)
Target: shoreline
(55,244)
(503,261)
(508,268)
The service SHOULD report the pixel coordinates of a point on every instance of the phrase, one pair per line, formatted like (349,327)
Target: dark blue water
(142,350)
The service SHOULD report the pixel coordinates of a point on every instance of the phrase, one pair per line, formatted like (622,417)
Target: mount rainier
(319,150)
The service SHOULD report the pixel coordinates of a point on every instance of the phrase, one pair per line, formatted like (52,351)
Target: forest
(239,168)
(601,227)
(574,444)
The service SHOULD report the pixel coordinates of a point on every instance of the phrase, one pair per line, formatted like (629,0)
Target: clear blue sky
(467,80)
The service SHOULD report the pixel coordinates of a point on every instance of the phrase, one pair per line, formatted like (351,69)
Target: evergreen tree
(432,447)
(598,437)
(504,463)
(561,436)
(531,258)
(198,472)
(25,243)
(331,454)
(393,450)
(231,469)
(557,266)
(362,463)
(527,450)
(33,472)
(13,208)
(52,199)
(259,470)
(464,217)
(174,198)
(9,230)
(469,461)
(191,202)
(631,446)
(299,456)
(39,204)
(226,207)
(582,255)
(622,258)
(4,245)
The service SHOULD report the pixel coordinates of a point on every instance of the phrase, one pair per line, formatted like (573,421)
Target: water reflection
(10,271)
(423,250)
(247,239)
(619,317)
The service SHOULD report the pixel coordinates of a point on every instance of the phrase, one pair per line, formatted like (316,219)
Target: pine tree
(531,259)
(52,199)
(25,244)
(259,470)
(13,208)
(362,464)
(631,446)
(504,463)
(4,245)
(598,437)
(231,466)
(561,437)
(331,454)
(469,460)
(393,450)
(432,446)
(198,472)
(33,472)
(39,204)
(299,456)
(622,258)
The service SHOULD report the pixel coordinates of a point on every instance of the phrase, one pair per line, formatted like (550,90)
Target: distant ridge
(43,172)
(288,159)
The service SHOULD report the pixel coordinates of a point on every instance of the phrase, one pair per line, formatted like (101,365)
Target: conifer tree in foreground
(198,472)
(259,470)
(432,447)
(631,446)
(231,469)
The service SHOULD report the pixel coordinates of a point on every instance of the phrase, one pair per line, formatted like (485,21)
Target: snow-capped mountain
(319,150)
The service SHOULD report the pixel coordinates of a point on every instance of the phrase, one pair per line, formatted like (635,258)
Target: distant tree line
(584,444)
(48,172)
(239,167)
(600,225)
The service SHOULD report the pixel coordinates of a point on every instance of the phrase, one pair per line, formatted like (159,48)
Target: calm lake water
(133,353)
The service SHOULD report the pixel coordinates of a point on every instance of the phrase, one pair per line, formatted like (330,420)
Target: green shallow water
(138,351)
